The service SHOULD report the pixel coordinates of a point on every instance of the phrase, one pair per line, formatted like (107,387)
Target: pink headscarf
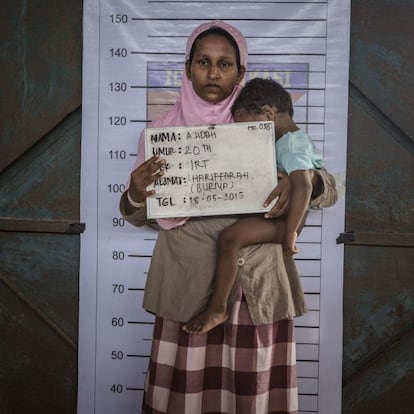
(190,109)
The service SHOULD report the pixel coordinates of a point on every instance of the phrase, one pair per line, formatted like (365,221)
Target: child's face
(213,70)
(244,116)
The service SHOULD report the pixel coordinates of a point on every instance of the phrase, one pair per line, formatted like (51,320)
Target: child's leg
(246,231)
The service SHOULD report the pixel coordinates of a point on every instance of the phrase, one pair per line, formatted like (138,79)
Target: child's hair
(259,92)
(219,32)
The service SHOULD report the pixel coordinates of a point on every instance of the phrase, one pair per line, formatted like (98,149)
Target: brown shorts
(328,195)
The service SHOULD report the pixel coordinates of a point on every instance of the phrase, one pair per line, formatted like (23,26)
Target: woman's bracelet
(134,203)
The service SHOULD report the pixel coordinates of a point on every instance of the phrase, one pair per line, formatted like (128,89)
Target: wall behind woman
(41,51)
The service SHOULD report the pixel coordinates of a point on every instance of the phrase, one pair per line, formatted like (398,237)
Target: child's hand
(289,243)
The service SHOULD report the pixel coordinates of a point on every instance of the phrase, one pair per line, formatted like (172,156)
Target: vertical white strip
(88,208)
(330,374)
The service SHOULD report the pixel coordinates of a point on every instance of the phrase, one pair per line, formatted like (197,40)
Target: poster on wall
(133,64)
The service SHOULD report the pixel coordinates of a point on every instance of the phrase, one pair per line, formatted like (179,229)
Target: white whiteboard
(305,46)
(212,169)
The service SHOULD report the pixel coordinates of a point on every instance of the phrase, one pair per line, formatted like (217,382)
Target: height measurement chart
(212,169)
(133,63)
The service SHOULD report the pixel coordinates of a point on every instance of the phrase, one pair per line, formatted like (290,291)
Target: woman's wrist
(133,202)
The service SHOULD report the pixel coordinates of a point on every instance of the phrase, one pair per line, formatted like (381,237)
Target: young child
(296,155)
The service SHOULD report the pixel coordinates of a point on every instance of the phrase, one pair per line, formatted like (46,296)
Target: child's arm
(301,192)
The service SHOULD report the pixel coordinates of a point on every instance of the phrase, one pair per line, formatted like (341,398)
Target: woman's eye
(225,65)
(203,62)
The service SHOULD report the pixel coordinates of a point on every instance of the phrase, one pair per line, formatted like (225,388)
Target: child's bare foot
(205,321)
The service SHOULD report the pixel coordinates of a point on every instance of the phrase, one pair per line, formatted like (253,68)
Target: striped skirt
(236,368)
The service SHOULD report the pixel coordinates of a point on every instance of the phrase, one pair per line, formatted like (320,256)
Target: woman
(247,365)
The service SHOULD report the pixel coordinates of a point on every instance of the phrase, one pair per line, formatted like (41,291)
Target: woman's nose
(213,72)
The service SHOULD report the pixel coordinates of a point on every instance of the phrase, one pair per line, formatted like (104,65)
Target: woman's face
(213,70)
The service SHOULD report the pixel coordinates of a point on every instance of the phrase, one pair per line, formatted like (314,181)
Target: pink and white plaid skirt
(236,368)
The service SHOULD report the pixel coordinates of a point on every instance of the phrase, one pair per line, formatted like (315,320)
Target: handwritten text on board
(212,169)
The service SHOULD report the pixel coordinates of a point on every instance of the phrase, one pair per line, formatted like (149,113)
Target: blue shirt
(296,151)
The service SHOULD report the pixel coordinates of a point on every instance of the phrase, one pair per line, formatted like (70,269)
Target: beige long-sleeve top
(180,278)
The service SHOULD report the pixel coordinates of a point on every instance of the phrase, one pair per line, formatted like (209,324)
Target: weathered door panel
(380,176)
(44,182)
(40,64)
(38,368)
(378,367)
(382,57)
(39,266)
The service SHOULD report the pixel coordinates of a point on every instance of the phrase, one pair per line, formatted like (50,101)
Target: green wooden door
(40,62)
(378,367)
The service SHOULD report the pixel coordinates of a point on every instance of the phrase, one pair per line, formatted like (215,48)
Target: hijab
(190,109)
